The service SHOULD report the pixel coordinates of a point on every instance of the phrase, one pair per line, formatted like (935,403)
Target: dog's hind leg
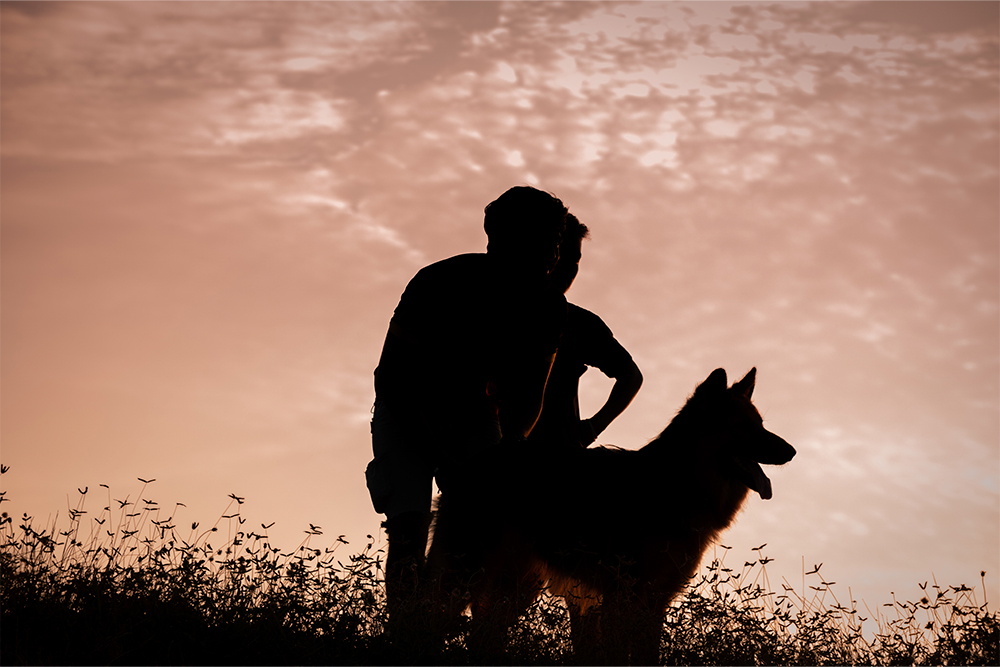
(505,591)
(455,565)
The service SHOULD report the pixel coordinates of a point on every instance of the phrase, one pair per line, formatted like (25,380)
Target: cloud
(163,78)
(273,116)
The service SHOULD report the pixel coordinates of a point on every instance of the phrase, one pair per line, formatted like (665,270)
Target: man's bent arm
(627,384)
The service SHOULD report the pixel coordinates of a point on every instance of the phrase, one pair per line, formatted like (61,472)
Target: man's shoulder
(578,314)
(451,272)
(590,338)
(470,261)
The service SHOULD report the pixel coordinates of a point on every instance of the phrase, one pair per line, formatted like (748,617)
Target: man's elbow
(636,376)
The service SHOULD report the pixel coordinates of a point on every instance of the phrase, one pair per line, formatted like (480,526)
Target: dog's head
(738,430)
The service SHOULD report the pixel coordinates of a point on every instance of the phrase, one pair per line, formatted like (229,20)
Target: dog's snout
(775,451)
(788,454)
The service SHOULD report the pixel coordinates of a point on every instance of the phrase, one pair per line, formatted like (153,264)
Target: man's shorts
(399,477)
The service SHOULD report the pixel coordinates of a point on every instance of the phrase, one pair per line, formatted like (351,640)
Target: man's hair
(522,213)
(575,230)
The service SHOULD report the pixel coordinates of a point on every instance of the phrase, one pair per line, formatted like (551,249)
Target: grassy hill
(127,587)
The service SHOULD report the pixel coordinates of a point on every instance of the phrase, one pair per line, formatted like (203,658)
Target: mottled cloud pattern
(210,209)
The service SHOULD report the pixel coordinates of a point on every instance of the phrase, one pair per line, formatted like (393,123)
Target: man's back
(465,325)
(442,316)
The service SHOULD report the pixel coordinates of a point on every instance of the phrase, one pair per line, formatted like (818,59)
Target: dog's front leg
(648,632)
(584,631)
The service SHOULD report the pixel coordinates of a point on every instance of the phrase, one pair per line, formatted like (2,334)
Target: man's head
(569,254)
(524,226)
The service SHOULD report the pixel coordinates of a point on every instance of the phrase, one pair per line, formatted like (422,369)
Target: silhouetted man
(464,363)
(587,341)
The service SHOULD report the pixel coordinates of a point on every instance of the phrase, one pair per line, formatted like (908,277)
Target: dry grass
(129,586)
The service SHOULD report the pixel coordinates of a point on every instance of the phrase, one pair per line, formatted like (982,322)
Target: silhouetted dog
(617,532)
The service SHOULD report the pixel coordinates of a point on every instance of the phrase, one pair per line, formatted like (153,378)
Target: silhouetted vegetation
(129,586)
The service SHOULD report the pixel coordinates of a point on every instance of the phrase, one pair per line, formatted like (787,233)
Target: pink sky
(209,211)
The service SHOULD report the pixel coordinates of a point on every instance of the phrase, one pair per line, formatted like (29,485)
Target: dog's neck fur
(712,496)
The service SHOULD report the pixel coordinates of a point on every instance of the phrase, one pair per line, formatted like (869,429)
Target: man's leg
(399,479)
(404,562)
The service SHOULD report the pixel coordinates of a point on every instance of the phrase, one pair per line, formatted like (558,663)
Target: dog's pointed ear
(746,385)
(716,382)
